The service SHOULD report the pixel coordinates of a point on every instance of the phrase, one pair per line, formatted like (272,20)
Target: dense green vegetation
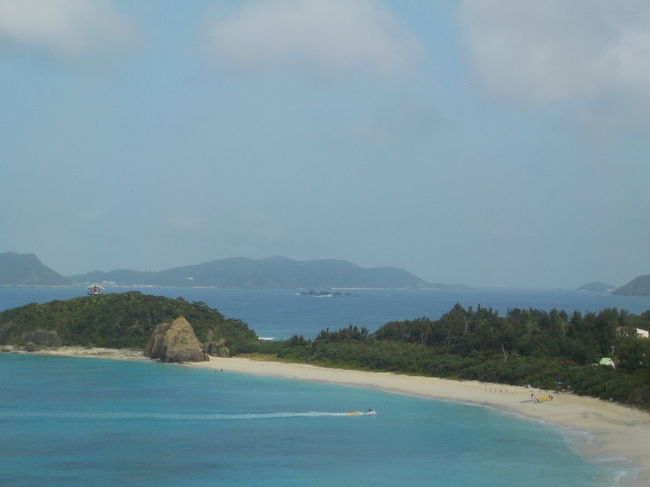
(123,320)
(544,349)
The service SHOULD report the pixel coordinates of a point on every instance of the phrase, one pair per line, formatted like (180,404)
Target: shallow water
(68,421)
(71,421)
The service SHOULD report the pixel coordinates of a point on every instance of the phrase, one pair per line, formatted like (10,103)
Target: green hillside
(123,320)
(639,286)
(27,270)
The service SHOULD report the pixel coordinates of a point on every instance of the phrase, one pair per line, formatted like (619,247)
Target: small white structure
(95,290)
(607,361)
(640,333)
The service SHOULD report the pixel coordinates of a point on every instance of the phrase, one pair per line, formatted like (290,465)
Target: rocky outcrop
(43,338)
(216,349)
(175,342)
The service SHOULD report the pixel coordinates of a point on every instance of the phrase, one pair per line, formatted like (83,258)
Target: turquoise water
(68,422)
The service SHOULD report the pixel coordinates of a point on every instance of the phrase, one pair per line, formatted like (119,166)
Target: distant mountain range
(639,286)
(238,273)
(274,272)
(27,270)
(597,287)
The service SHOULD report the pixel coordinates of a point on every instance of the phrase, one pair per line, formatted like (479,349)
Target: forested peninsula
(120,320)
(550,350)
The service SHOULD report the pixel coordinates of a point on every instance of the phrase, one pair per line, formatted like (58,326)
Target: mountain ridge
(596,286)
(27,270)
(270,272)
(639,286)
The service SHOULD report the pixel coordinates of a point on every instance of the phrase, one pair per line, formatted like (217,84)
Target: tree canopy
(120,320)
(545,349)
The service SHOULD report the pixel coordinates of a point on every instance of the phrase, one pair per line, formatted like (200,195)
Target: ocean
(281,313)
(73,421)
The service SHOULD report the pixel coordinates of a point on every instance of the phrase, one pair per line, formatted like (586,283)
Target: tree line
(546,349)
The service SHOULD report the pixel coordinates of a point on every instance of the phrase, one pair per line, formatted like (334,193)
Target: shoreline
(81,352)
(614,432)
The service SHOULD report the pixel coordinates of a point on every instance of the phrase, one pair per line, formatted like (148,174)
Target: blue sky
(488,142)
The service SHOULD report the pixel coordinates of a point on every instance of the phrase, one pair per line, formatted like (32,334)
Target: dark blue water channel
(282,313)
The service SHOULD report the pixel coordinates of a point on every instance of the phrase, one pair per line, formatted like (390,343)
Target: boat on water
(369,412)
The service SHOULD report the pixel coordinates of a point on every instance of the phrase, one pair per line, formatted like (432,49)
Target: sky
(486,142)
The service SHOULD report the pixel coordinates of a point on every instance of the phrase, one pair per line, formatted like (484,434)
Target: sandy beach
(87,352)
(615,431)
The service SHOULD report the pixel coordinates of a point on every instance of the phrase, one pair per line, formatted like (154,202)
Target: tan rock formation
(216,349)
(175,342)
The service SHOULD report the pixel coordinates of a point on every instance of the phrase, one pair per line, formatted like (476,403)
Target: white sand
(617,431)
(88,352)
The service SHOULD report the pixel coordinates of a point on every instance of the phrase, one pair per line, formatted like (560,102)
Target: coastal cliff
(175,341)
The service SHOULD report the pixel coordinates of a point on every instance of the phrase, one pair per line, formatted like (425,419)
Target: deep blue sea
(79,422)
(281,313)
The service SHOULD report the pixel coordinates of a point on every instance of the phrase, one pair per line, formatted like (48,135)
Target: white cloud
(328,36)
(68,27)
(553,50)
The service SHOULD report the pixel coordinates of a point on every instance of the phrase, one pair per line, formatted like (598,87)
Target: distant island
(597,287)
(234,273)
(27,270)
(639,286)
(273,272)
